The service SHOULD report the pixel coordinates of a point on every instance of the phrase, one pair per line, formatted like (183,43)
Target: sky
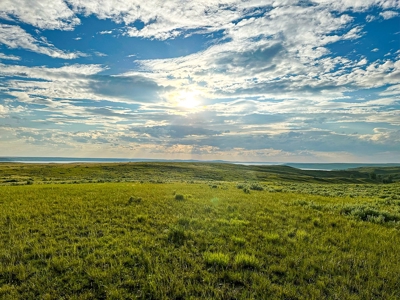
(237,80)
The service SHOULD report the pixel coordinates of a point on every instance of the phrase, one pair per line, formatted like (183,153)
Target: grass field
(193,231)
(16,173)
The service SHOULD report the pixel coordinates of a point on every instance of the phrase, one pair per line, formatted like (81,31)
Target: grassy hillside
(17,173)
(195,238)
(393,172)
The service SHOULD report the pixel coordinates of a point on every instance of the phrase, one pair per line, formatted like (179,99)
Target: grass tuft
(238,241)
(246,261)
(179,197)
(217,259)
(177,236)
(272,238)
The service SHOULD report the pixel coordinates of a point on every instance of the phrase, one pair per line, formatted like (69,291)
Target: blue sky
(239,80)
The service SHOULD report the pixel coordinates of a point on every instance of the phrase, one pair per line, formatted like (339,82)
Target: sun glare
(188,99)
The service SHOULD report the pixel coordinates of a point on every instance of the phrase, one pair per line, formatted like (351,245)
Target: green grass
(217,259)
(21,174)
(244,261)
(132,240)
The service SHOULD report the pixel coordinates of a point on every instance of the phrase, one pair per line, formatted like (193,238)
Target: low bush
(366,213)
(177,236)
(238,241)
(217,259)
(179,197)
(256,187)
(245,261)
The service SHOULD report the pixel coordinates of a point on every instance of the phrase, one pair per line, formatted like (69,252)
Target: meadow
(197,231)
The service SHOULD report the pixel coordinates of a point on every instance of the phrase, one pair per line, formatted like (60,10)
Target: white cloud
(4,16)
(388,14)
(358,5)
(383,136)
(76,82)
(97,53)
(44,14)
(375,50)
(15,37)
(3,110)
(69,82)
(166,19)
(6,110)
(269,78)
(393,90)
(354,33)
(370,18)
(362,62)
(9,57)
(281,55)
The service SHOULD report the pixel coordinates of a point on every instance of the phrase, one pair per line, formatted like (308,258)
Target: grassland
(196,231)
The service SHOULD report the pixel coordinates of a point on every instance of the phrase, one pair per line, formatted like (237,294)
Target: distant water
(317,168)
(337,166)
(23,159)
(61,159)
(320,166)
(302,166)
(258,163)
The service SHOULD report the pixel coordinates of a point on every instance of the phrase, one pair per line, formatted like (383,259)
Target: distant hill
(338,166)
(177,171)
(303,166)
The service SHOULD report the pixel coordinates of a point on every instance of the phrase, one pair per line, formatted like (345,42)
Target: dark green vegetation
(193,231)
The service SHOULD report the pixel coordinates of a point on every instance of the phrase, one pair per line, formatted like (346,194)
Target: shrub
(302,235)
(365,213)
(256,187)
(179,197)
(177,235)
(184,222)
(141,218)
(240,186)
(278,270)
(217,259)
(245,261)
(272,237)
(317,222)
(232,208)
(238,241)
(134,200)
(208,209)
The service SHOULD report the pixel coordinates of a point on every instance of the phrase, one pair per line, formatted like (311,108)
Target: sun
(188,99)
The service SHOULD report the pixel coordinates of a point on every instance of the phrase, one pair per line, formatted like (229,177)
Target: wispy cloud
(389,14)
(97,53)
(44,14)
(14,36)
(9,57)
